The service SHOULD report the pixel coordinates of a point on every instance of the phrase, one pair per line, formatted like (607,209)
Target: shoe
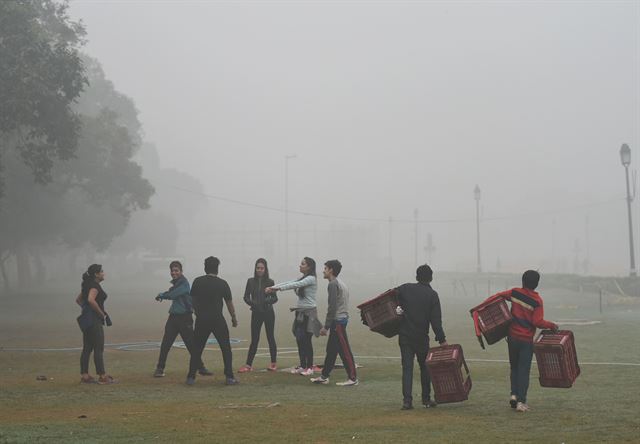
(296,370)
(513,402)
(205,372)
(316,368)
(231,381)
(159,373)
(307,372)
(522,407)
(272,367)
(106,379)
(245,369)
(190,380)
(89,380)
(406,405)
(348,383)
(429,403)
(320,380)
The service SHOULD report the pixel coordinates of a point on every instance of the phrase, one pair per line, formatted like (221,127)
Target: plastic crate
(557,359)
(494,320)
(450,375)
(380,315)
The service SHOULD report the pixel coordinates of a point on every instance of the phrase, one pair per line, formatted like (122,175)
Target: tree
(41,74)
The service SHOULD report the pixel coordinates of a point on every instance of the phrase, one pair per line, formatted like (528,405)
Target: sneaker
(307,372)
(317,368)
(348,383)
(406,405)
(205,372)
(106,379)
(231,381)
(245,369)
(88,380)
(513,401)
(320,380)
(429,403)
(190,380)
(159,373)
(272,367)
(521,407)
(296,370)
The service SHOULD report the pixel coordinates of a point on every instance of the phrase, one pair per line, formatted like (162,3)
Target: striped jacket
(527,312)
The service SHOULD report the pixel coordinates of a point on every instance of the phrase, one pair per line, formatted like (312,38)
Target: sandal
(107,379)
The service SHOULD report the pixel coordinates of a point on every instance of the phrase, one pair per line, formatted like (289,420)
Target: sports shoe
(348,383)
(307,372)
(190,380)
(205,372)
(296,370)
(513,401)
(320,380)
(159,373)
(245,369)
(272,367)
(107,379)
(88,380)
(429,403)
(231,381)
(522,407)
(406,405)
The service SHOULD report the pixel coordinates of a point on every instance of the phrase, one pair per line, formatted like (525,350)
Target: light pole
(415,253)
(286,206)
(476,196)
(625,158)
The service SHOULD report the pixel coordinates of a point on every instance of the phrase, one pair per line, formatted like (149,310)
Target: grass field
(268,407)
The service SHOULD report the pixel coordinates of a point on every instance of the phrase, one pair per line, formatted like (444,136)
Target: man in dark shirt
(207,294)
(419,307)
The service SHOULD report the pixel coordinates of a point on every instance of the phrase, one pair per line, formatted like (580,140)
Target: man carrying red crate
(528,314)
(419,306)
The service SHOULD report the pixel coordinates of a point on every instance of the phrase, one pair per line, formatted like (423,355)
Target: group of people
(419,307)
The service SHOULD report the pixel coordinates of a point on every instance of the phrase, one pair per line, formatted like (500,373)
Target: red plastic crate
(450,382)
(557,359)
(494,320)
(380,315)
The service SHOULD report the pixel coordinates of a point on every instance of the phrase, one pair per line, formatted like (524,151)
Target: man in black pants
(207,293)
(419,307)
(180,320)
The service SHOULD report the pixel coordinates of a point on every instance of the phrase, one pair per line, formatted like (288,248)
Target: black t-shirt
(421,307)
(207,293)
(100,297)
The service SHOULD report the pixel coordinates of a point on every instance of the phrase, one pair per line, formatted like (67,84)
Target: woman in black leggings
(261,313)
(93,317)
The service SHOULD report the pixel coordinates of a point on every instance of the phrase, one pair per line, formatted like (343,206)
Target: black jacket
(256,298)
(421,307)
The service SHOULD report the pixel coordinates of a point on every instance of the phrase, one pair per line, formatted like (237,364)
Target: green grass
(602,405)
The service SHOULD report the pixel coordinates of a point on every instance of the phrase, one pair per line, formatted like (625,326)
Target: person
(261,313)
(207,293)
(336,325)
(91,298)
(180,318)
(419,306)
(305,323)
(527,314)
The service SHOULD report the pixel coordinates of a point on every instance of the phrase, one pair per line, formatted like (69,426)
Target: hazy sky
(391,106)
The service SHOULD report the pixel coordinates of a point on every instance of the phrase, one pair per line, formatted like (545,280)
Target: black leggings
(305,347)
(181,324)
(268,318)
(93,341)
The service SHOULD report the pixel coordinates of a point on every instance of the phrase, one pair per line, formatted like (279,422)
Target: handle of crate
(476,325)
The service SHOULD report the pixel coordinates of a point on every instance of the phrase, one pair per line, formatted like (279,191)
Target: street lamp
(286,206)
(625,158)
(476,196)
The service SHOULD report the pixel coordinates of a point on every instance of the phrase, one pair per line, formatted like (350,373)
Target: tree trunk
(41,271)
(24,267)
(5,278)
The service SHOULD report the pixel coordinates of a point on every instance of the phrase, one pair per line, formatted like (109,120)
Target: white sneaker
(296,370)
(320,380)
(307,372)
(348,383)
(522,407)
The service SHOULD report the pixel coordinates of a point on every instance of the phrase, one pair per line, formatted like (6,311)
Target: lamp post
(476,196)
(286,206)
(625,158)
